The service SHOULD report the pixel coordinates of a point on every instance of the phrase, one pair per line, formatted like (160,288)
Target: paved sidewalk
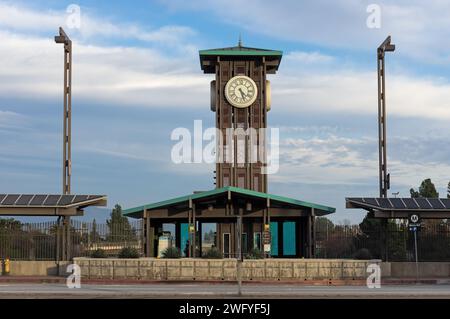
(62,280)
(221,291)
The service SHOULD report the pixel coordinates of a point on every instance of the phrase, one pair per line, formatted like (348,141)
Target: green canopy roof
(136,212)
(240,50)
(209,57)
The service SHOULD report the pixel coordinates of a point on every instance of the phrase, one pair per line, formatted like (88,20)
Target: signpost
(240,258)
(414,226)
(267,239)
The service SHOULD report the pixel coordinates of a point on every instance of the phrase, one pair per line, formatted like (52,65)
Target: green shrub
(213,253)
(255,253)
(129,252)
(98,253)
(362,254)
(171,252)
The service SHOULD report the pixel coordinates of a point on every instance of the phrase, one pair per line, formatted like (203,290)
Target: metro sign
(414,222)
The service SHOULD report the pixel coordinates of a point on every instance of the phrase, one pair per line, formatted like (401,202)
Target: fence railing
(353,241)
(38,241)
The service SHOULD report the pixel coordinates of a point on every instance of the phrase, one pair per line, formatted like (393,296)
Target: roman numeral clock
(240,98)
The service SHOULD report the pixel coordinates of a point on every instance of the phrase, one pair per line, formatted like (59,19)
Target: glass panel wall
(209,237)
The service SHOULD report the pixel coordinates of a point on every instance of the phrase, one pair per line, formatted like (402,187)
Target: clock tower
(240,98)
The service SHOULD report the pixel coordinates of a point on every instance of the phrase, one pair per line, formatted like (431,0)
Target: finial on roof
(240,41)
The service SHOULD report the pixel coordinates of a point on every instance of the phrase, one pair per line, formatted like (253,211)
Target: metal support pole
(67,135)
(384,183)
(67,253)
(417,259)
(386,46)
(58,240)
(67,114)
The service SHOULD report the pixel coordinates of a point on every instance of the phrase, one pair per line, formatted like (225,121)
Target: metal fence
(354,241)
(38,241)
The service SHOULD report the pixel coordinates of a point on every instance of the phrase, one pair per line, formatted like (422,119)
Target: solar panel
(397,202)
(446,202)
(80,198)
(66,200)
(423,203)
(10,200)
(38,200)
(436,203)
(371,201)
(410,203)
(402,204)
(52,200)
(24,200)
(384,203)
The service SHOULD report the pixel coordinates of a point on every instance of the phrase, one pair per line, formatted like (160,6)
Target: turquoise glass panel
(184,236)
(274,238)
(289,239)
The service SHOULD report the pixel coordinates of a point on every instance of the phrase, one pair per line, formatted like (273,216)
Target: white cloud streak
(336,159)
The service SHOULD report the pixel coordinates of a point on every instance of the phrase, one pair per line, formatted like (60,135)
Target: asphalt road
(220,291)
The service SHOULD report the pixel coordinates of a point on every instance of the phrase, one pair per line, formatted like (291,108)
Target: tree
(94,235)
(372,238)
(414,193)
(323,224)
(448,190)
(119,226)
(426,190)
(10,224)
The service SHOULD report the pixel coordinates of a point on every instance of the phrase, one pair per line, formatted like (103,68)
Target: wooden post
(268,222)
(313,233)
(189,252)
(309,236)
(147,237)
(194,235)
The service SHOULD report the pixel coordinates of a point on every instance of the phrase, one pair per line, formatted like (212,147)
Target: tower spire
(240,41)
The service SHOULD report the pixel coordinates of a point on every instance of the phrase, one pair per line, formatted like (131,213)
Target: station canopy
(218,196)
(47,205)
(402,207)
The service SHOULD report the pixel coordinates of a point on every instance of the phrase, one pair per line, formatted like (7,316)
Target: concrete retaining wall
(222,270)
(426,269)
(36,268)
(213,269)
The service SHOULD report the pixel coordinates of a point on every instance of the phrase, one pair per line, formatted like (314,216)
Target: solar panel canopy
(47,204)
(401,207)
(44,200)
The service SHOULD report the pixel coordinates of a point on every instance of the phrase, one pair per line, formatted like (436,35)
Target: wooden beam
(34,211)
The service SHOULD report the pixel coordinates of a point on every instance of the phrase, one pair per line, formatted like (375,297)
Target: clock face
(241,91)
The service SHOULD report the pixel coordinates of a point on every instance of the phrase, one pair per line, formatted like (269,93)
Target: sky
(137,77)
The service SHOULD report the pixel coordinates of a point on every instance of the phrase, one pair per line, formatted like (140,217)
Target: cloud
(147,77)
(117,75)
(308,57)
(337,159)
(355,92)
(12,120)
(416,28)
(21,18)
